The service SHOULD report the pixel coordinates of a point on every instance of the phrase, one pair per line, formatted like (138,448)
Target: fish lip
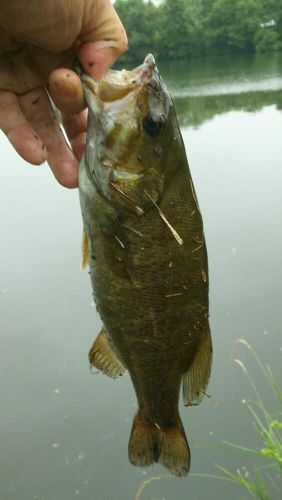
(150,61)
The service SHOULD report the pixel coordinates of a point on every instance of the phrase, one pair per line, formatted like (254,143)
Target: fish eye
(153,126)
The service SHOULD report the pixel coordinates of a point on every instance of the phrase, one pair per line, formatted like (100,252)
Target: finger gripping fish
(145,245)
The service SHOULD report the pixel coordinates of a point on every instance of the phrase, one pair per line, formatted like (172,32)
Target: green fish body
(145,246)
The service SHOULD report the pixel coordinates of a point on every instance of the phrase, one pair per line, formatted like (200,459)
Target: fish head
(131,131)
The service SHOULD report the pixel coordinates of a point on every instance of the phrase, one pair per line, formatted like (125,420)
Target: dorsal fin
(84,251)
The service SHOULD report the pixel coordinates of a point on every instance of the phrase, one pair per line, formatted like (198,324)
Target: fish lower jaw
(118,174)
(125,175)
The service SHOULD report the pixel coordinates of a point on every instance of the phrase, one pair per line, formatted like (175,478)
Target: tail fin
(150,443)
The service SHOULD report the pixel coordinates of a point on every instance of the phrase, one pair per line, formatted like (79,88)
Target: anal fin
(103,357)
(195,380)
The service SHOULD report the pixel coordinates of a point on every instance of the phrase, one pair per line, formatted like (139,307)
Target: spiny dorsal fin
(196,378)
(103,357)
(84,251)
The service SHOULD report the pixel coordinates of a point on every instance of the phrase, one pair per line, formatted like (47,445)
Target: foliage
(268,427)
(267,40)
(136,13)
(177,29)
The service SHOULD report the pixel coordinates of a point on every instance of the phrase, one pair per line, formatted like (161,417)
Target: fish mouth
(117,85)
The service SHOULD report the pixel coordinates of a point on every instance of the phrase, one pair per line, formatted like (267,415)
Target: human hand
(36,38)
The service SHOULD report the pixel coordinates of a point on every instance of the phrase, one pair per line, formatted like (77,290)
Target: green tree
(245,24)
(195,13)
(269,33)
(232,24)
(179,29)
(175,30)
(139,18)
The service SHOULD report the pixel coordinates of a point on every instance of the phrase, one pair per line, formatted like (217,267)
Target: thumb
(103,37)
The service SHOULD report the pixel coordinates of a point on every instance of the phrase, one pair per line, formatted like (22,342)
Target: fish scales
(150,287)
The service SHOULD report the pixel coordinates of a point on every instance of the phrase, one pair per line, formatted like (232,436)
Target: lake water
(64,432)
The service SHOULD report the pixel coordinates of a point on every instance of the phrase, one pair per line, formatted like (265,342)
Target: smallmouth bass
(145,246)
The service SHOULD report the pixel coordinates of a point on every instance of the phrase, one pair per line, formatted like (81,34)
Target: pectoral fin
(103,357)
(195,380)
(84,251)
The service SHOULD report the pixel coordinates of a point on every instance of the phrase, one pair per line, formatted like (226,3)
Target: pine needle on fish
(163,217)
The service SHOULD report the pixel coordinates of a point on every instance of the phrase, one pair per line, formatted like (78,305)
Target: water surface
(64,432)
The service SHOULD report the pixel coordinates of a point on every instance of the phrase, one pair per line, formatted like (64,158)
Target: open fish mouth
(116,85)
